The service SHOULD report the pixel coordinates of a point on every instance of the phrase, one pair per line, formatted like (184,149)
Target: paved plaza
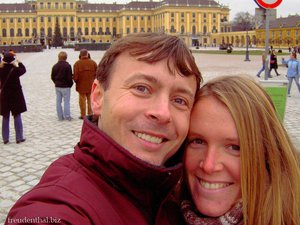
(21,165)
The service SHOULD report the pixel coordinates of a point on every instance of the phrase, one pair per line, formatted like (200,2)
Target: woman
(240,164)
(293,71)
(11,98)
(273,63)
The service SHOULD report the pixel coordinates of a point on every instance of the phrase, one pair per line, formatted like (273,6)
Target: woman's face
(212,160)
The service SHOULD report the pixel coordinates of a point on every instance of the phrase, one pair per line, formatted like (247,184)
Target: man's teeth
(213,185)
(149,138)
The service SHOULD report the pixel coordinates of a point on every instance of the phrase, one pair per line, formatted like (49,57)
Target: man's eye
(141,88)
(180,101)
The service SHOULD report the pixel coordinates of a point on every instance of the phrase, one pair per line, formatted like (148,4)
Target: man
(61,75)
(125,164)
(84,75)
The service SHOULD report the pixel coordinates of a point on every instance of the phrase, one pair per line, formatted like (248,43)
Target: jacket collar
(146,184)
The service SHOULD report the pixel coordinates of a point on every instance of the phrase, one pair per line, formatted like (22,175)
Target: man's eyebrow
(141,76)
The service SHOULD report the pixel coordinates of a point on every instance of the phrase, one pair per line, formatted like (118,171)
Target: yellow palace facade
(34,21)
(198,22)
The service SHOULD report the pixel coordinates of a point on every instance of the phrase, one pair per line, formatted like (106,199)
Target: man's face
(146,109)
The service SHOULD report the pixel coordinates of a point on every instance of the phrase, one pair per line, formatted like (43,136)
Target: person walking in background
(84,75)
(293,71)
(11,96)
(263,59)
(273,63)
(61,75)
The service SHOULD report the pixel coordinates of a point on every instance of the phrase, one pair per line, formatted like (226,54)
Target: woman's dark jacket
(11,97)
(273,61)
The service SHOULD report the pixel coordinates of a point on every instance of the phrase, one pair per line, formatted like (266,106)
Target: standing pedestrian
(293,71)
(11,96)
(84,75)
(273,63)
(61,76)
(263,59)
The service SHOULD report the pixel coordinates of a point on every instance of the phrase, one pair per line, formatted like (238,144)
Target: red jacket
(101,183)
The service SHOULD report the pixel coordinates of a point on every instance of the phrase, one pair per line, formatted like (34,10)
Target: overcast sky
(284,9)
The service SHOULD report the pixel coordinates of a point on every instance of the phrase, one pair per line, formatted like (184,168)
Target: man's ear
(97,94)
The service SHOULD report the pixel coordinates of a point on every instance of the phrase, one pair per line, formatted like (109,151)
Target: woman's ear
(97,94)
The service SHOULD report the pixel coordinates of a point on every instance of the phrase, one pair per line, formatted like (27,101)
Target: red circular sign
(268,4)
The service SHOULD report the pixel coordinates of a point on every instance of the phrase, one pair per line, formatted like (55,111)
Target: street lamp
(247,45)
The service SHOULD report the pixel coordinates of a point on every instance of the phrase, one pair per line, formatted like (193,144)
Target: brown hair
(150,48)
(62,56)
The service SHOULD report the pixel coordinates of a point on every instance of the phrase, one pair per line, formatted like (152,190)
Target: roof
(16,7)
(284,22)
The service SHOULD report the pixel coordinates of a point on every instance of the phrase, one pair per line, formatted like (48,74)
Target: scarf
(192,217)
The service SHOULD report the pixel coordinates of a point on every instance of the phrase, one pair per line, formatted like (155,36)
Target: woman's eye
(235,147)
(196,141)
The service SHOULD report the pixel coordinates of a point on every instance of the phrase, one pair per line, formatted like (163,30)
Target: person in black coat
(61,75)
(11,96)
(273,63)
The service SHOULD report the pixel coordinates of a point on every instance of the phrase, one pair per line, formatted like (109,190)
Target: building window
(100,19)
(65,32)
(27,32)
(182,29)
(107,32)
(128,30)
(12,32)
(19,34)
(93,19)
(64,5)
(107,19)
(49,19)
(19,20)
(79,19)
(56,5)
(204,15)
(134,30)
(49,5)
(72,5)
(42,19)
(100,32)
(194,30)
(86,20)
(3,20)
(127,17)
(134,17)
(11,20)
(4,33)
(94,31)
(41,5)
(26,20)
(172,14)
(34,20)
(49,32)
(149,18)
(65,19)
(194,15)
(214,15)
(86,31)
(72,19)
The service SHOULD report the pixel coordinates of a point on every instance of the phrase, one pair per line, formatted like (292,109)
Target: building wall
(195,24)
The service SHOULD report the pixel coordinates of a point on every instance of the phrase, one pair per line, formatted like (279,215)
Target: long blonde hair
(270,173)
